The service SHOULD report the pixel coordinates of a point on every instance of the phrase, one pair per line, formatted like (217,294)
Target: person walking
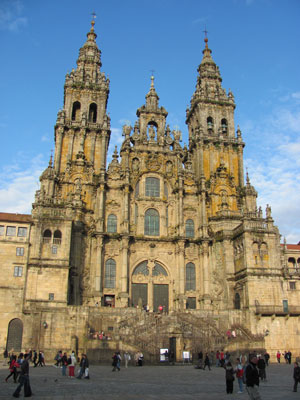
(229,376)
(115,362)
(278,355)
(296,376)
(206,362)
(239,374)
(252,378)
(261,365)
(82,366)
(24,379)
(13,369)
(267,358)
(127,358)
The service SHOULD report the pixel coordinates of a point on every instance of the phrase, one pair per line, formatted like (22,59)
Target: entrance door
(139,294)
(14,335)
(161,297)
(172,349)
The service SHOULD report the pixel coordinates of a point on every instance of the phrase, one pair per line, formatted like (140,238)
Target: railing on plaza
(277,310)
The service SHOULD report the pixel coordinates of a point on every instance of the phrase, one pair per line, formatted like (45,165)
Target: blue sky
(254,42)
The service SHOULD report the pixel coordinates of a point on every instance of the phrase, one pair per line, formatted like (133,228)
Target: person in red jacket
(13,369)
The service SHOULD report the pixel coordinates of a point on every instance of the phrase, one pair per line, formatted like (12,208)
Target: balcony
(277,310)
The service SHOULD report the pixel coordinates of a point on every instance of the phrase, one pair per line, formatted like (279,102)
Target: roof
(15,217)
(291,246)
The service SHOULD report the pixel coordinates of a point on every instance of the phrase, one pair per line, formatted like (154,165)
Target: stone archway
(14,335)
(150,286)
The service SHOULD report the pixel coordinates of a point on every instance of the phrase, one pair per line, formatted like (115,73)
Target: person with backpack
(239,374)
(296,376)
(252,378)
(261,365)
(13,369)
(229,376)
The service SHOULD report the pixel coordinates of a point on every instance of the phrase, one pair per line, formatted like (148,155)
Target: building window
(137,190)
(285,305)
(112,223)
(189,228)
(110,274)
(152,187)
(1,230)
(210,123)
(76,111)
(54,249)
(190,277)
(51,296)
(18,271)
(152,222)
(57,237)
(22,231)
(10,231)
(166,190)
(93,113)
(224,126)
(237,302)
(136,211)
(20,251)
(47,236)
(191,303)
(292,285)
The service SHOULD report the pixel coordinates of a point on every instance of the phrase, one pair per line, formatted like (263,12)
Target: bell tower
(216,149)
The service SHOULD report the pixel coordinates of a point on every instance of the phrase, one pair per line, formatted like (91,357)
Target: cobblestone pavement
(148,383)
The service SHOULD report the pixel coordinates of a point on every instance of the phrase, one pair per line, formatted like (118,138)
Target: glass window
(292,285)
(20,251)
(112,223)
(57,237)
(137,189)
(152,187)
(51,296)
(191,303)
(54,249)
(22,231)
(110,274)
(11,231)
(189,228)
(237,301)
(190,277)
(18,271)
(152,222)
(1,230)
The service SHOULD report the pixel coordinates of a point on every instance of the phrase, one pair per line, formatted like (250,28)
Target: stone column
(58,147)
(124,292)
(206,286)
(99,266)
(241,165)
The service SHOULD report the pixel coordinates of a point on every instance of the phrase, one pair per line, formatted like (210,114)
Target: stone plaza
(162,382)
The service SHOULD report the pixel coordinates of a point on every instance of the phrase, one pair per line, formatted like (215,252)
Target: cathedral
(164,247)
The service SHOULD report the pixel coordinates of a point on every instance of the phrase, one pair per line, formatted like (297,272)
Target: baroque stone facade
(161,226)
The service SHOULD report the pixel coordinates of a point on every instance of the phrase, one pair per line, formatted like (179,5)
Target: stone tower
(70,201)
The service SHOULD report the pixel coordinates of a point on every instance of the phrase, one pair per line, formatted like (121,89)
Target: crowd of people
(249,370)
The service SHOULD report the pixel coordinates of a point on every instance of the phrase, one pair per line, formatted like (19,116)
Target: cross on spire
(94,16)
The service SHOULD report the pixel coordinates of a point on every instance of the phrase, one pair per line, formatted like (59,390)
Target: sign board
(163,354)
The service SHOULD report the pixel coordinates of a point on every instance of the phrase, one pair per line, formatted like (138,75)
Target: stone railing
(277,310)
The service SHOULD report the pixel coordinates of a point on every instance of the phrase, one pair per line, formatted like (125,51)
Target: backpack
(69,361)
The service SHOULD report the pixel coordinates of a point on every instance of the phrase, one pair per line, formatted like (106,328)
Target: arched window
(224,126)
(237,302)
(110,274)
(14,335)
(112,223)
(159,270)
(210,124)
(189,228)
(47,236)
(292,262)
(151,222)
(57,237)
(93,113)
(76,111)
(190,277)
(142,268)
(152,187)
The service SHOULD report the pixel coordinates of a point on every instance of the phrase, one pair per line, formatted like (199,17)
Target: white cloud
(274,165)
(11,17)
(18,186)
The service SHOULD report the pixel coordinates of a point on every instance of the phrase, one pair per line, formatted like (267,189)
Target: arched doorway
(14,335)
(150,286)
